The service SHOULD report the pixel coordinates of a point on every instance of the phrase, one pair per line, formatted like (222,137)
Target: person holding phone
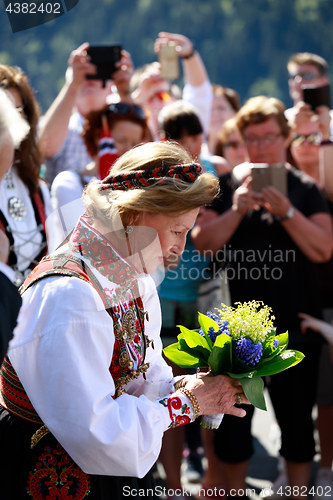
(306,70)
(153,92)
(271,244)
(312,150)
(61,127)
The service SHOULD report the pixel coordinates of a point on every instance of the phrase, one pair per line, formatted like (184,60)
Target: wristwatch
(289,215)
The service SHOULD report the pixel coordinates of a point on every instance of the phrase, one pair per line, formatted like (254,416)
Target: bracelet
(193,400)
(326,142)
(191,54)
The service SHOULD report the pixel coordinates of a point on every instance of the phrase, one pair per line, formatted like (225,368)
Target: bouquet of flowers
(238,341)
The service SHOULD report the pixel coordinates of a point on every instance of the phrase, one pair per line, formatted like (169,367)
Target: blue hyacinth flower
(248,352)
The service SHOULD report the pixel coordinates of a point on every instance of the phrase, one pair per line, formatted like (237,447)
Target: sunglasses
(122,108)
(233,145)
(314,139)
(304,76)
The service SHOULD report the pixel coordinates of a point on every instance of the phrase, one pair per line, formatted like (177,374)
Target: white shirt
(62,350)
(201,96)
(68,206)
(27,237)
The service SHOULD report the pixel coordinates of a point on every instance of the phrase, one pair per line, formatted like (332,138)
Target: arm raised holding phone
(82,91)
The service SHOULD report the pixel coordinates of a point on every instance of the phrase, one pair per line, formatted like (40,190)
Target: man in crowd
(305,69)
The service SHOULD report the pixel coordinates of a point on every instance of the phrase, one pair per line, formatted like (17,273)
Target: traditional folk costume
(86,343)
(23,219)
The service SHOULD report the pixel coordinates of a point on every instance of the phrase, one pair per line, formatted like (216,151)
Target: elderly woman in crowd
(93,395)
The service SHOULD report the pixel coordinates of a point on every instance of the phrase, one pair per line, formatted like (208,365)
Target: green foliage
(254,391)
(252,319)
(245,45)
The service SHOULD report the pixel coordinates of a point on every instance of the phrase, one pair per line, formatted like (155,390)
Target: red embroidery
(182,419)
(176,404)
(102,256)
(57,477)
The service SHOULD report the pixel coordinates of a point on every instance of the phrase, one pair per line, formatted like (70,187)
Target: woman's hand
(275,202)
(122,76)
(150,82)
(79,66)
(184,46)
(244,198)
(216,394)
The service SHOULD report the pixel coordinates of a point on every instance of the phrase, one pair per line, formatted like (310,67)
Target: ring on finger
(239,400)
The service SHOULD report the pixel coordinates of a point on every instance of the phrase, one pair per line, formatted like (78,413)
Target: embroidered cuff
(179,409)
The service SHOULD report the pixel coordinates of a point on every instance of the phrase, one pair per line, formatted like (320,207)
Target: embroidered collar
(90,244)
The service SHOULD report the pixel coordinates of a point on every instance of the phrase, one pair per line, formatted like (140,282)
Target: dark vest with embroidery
(128,329)
(39,210)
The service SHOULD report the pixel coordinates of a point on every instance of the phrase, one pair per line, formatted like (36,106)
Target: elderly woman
(86,395)
(13,129)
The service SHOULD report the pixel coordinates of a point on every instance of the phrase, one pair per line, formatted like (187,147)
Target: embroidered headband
(144,178)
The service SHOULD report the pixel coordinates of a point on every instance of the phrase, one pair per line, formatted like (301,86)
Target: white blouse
(27,237)
(62,350)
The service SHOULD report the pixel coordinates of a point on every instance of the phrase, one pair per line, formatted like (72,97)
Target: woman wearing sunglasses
(310,135)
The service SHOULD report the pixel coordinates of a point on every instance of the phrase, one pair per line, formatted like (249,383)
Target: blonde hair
(172,198)
(11,120)
(260,109)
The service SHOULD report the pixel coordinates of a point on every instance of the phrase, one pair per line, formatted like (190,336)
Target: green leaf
(181,358)
(220,359)
(267,361)
(268,347)
(286,359)
(206,322)
(254,391)
(248,374)
(283,338)
(198,351)
(193,339)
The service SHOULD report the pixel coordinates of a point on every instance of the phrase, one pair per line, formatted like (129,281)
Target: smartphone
(264,175)
(317,96)
(104,57)
(168,59)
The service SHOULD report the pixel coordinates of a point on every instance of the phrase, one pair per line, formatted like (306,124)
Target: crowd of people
(110,205)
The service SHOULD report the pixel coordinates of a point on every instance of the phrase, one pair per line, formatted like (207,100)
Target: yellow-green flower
(252,320)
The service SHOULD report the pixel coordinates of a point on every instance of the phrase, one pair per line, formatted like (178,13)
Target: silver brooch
(9,180)
(16,208)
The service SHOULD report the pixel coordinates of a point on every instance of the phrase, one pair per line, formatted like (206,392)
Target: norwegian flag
(107,153)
